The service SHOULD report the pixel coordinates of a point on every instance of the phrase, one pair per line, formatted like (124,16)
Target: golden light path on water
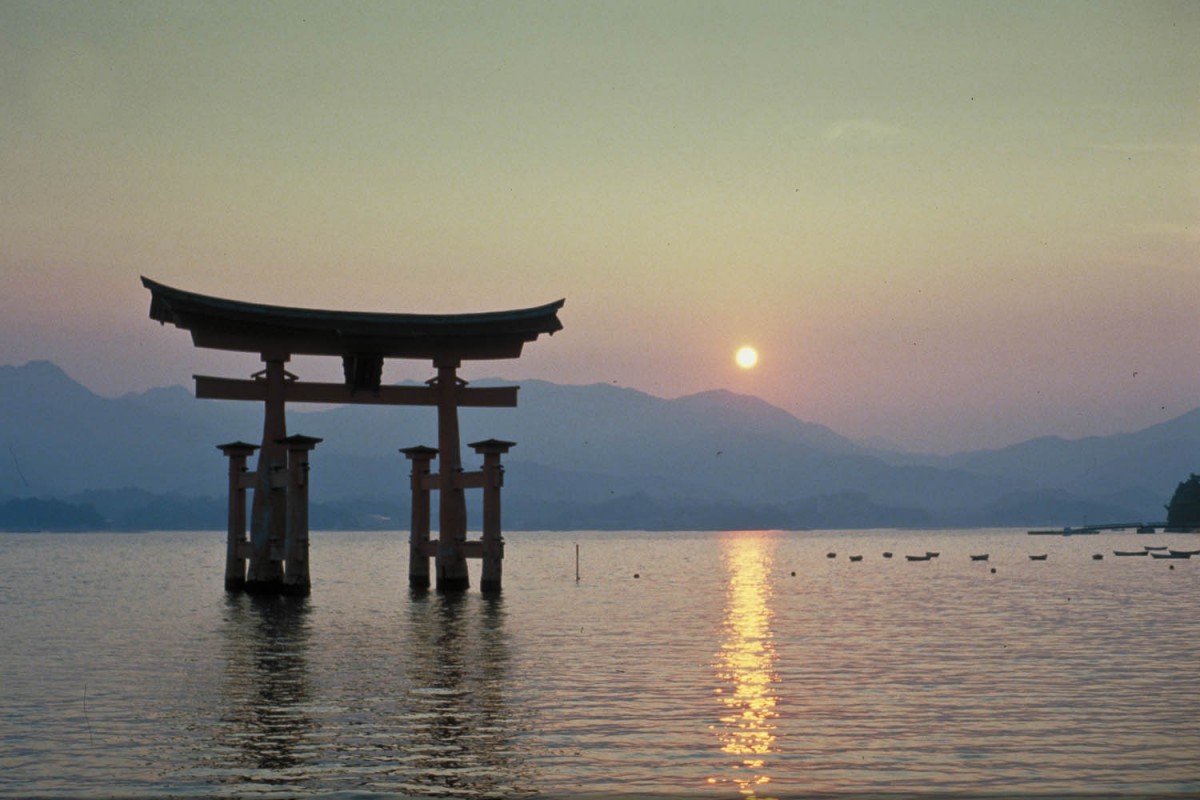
(745,665)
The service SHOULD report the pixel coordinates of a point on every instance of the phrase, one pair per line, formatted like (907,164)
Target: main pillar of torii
(363,340)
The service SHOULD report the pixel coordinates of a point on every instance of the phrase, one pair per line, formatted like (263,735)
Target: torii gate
(277,549)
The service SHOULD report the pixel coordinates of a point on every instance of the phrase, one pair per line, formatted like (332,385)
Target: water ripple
(744,663)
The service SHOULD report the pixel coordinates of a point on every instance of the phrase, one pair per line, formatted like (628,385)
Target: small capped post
(236,544)
(418,537)
(493,481)
(295,544)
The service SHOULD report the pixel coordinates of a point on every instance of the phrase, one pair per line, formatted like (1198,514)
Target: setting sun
(746,357)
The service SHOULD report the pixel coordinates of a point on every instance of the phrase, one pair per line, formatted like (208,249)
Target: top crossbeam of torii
(362,339)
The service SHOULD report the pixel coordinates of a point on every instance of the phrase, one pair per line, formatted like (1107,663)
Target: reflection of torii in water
(277,549)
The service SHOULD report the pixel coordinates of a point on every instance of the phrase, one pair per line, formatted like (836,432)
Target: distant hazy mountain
(59,438)
(595,456)
(1150,462)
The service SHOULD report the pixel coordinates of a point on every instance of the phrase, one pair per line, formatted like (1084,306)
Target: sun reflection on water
(745,664)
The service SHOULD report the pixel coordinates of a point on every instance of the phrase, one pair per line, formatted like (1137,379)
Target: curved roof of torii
(222,324)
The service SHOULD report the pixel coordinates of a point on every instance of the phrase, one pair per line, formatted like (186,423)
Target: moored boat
(980,557)
(1184,552)
(1149,548)
(925,557)
(1042,557)
(1170,555)
(1131,552)
(888,554)
(856,558)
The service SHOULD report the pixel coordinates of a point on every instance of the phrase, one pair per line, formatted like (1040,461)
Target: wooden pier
(1085,530)
(271,554)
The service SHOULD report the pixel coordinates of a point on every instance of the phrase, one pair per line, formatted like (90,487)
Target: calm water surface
(707,664)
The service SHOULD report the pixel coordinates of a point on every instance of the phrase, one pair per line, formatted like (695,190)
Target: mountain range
(596,456)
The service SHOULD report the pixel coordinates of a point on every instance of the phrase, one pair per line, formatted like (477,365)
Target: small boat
(831,555)
(932,554)
(1170,555)
(1098,557)
(1042,557)
(1131,552)
(1184,552)
(1045,533)
(856,558)
(925,557)
(980,557)
(1146,529)
(888,554)
(1148,548)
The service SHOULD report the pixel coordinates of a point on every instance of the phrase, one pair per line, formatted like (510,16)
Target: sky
(950,225)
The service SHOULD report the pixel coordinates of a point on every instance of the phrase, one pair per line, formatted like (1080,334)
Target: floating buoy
(1098,557)
(993,570)
(636,575)
(793,573)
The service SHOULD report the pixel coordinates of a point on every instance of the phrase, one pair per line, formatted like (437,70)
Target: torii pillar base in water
(296,581)
(493,542)
(418,536)
(289,560)
(237,546)
(490,549)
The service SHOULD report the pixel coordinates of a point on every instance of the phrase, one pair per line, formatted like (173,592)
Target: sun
(746,357)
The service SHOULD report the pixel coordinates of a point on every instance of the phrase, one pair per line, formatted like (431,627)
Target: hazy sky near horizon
(950,224)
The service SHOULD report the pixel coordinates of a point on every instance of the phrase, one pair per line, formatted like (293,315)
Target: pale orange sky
(949,224)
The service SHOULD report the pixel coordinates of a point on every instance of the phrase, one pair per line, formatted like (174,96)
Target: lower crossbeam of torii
(272,555)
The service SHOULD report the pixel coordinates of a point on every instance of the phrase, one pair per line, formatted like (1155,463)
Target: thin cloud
(1170,230)
(861,130)
(1147,147)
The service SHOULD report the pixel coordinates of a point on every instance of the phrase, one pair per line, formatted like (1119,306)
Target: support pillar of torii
(452,546)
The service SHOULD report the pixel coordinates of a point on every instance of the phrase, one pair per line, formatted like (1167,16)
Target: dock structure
(271,554)
(1085,530)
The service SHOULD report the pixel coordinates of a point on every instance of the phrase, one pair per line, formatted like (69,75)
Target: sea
(737,664)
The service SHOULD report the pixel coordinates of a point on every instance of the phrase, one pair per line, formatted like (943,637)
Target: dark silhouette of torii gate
(277,547)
